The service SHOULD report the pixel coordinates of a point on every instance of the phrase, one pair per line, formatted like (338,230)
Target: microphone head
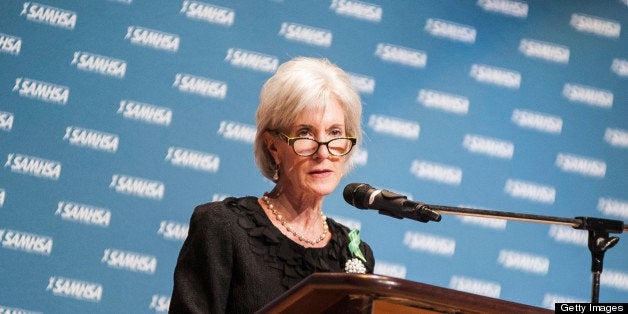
(357,194)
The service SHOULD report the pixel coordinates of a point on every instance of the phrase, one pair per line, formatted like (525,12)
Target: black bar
(589,308)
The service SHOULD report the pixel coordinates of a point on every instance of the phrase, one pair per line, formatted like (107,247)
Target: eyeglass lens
(306,147)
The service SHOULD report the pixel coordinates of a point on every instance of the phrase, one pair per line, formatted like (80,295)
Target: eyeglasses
(305,147)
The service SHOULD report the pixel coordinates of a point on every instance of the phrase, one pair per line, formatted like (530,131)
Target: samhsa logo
(139,187)
(436,172)
(488,146)
(356,9)
(595,25)
(152,38)
(537,121)
(363,84)
(394,126)
(524,262)
(44,14)
(11,310)
(75,289)
(360,157)
(135,110)
(588,95)
(195,160)
(197,10)
(33,166)
(475,286)
(217,197)
(615,279)
(10,44)
(429,243)
(495,76)
(92,139)
(237,131)
(620,67)
(25,242)
(401,55)
(451,30)
(542,50)
(45,91)
(391,269)
(172,230)
(530,191)
(6,121)
(491,223)
(581,165)
(513,8)
(568,235)
(613,207)
(94,63)
(252,60)
(616,137)
(306,34)
(81,213)
(443,101)
(201,86)
(160,303)
(131,261)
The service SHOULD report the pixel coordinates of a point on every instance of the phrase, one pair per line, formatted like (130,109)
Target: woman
(242,253)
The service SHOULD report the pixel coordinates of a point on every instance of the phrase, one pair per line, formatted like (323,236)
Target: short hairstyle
(300,84)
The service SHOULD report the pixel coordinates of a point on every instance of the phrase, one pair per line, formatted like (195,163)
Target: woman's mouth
(321,172)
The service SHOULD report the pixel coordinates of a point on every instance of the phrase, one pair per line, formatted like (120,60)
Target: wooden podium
(357,293)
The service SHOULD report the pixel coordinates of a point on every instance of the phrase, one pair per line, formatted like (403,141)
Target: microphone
(364,196)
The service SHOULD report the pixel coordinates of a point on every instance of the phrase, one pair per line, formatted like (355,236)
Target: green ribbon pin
(354,244)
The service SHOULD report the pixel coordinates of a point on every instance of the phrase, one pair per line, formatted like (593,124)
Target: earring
(276,174)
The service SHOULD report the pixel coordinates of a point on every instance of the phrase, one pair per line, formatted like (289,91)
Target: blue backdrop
(118,117)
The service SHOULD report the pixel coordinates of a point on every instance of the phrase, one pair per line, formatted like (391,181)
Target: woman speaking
(241,253)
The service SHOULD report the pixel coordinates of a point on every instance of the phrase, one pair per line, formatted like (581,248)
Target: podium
(358,293)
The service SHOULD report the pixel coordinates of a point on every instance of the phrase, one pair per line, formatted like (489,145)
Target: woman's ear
(269,141)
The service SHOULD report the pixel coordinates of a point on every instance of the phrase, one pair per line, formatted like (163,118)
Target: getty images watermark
(607,308)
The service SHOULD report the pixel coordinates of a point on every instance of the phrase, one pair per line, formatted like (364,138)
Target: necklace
(297,235)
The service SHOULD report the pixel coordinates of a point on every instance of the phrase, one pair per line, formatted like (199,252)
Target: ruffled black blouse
(235,260)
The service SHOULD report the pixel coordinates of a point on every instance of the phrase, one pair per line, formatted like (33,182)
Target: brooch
(356,263)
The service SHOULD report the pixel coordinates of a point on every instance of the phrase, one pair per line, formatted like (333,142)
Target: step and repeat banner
(118,117)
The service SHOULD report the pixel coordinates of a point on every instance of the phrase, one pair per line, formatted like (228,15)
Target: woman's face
(319,174)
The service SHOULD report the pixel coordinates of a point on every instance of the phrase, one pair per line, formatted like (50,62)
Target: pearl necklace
(297,235)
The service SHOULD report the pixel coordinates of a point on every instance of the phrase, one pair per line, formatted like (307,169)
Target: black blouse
(235,260)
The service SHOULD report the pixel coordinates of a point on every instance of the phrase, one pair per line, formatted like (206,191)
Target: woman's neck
(301,213)
(297,207)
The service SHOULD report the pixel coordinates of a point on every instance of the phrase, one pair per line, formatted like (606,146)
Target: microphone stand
(599,241)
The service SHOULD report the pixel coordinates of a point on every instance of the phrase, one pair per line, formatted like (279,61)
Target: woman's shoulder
(227,208)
